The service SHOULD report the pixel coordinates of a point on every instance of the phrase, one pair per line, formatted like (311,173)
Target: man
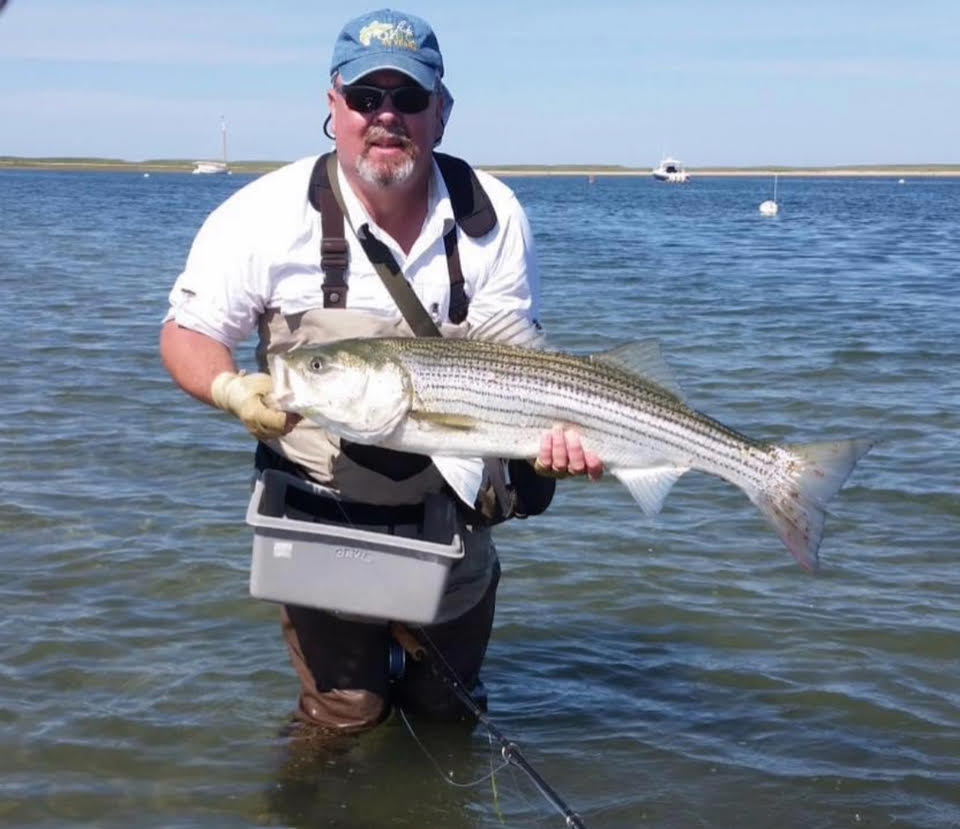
(256,264)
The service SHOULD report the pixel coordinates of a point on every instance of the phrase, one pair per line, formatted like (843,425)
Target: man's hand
(561,455)
(242,395)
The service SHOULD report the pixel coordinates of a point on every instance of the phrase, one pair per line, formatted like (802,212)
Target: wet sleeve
(511,280)
(533,492)
(222,289)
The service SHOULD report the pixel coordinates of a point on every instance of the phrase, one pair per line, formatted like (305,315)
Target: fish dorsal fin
(643,358)
(511,328)
(649,485)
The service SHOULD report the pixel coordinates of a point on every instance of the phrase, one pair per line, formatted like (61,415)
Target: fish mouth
(284,393)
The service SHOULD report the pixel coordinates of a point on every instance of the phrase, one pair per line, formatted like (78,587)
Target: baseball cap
(388,39)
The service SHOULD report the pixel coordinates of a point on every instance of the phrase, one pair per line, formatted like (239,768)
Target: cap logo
(389,34)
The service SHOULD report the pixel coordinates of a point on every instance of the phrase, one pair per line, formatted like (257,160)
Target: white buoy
(902,181)
(146,175)
(770,207)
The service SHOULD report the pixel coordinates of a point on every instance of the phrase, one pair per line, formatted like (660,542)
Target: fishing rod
(418,648)
(423,646)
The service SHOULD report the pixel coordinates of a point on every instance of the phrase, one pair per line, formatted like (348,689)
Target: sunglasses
(366,99)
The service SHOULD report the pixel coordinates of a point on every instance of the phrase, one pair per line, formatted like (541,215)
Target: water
(680,671)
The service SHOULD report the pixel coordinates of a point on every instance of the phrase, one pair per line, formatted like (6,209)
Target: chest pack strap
(472,210)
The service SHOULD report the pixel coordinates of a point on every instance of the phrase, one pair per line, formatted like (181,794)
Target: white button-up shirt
(260,249)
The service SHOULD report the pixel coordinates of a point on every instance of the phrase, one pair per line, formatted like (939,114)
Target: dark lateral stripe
(471,378)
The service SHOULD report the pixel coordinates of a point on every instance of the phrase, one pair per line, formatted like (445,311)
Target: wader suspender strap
(472,211)
(386,266)
(403,295)
(475,215)
(333,246)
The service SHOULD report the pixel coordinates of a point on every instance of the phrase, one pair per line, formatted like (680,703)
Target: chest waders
(529,493)
(472,210)
(344,683)
(474,214)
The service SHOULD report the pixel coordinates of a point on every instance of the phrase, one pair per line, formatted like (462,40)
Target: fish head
(357,389)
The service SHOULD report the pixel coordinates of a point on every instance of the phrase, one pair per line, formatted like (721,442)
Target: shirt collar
(439,207)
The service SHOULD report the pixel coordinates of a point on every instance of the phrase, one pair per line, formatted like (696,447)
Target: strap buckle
(334,296)
(333,254)
(333,263)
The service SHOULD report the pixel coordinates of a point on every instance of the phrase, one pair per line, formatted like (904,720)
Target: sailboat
(770,206)
(214,167)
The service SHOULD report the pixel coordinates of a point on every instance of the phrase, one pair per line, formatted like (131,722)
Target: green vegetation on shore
(174,165)
(153,165)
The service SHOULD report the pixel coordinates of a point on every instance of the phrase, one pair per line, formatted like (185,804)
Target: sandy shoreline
(506,171)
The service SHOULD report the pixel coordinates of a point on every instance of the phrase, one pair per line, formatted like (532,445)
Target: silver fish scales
(472,398)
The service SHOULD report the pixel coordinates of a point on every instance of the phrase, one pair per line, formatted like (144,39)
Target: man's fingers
(259,383)
(594,466)
(576,463)
(559,459)
(562,455)
(545,458)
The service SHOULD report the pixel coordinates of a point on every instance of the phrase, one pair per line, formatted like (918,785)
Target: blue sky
(592,81)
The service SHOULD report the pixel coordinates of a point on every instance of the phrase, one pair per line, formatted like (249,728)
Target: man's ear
(331,117)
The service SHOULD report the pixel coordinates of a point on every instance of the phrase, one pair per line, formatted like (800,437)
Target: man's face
(384,147)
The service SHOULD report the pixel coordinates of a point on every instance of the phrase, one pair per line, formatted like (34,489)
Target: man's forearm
(193,360)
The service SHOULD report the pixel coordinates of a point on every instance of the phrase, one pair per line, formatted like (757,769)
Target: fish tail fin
(795,500)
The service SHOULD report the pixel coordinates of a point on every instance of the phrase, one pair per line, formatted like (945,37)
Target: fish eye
(316,364)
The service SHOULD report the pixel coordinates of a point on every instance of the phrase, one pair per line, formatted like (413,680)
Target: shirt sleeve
(512,280)
(224,286)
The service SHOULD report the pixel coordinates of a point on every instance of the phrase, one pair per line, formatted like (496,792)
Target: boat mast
(223,136)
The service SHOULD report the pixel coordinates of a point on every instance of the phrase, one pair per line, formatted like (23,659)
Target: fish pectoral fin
(649,485)
(460,423)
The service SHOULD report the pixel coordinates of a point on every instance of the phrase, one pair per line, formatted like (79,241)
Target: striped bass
(454,398)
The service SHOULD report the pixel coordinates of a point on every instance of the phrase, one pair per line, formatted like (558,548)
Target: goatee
(386,173)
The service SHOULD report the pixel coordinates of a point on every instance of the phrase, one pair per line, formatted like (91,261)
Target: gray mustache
(377,133)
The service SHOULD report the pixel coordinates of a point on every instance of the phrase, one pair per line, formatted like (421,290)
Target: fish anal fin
(643,358)
(650,485)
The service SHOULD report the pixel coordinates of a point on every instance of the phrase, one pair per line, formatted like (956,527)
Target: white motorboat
(670,170)
(208,168)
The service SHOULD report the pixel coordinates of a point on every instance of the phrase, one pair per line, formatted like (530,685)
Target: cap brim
(357,68)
